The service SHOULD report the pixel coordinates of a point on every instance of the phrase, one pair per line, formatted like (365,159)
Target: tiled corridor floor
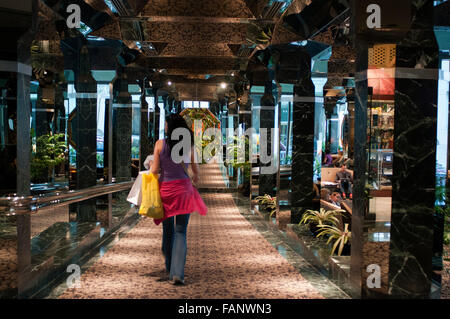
(227,258)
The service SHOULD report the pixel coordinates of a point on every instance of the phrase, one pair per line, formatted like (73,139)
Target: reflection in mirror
(256,94)
(135,92)
(441,247)
(286,115)
(380,157)
(49,160)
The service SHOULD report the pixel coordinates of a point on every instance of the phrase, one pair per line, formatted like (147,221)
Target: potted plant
(48,152)
(341,238)
(316,219)
(268,203)
(245,166)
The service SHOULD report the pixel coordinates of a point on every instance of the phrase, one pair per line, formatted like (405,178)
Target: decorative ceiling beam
(204,72)
(215,80)
(198,20)
(221,63)
(199,50)
(195,33)
(195,8)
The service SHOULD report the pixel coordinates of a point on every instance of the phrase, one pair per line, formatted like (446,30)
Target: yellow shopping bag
(151,205)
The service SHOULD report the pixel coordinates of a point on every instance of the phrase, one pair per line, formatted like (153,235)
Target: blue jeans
(174,245)
(345,187)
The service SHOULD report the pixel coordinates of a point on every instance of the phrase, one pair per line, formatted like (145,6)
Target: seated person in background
(349,163)
(345,180)
(339,160)
(335,198)
(325,194)
(327,160)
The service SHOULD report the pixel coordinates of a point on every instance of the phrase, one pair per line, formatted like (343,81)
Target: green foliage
(100,160)
(50,151)
(208,121)
(317,165)
(207,118)
(134,152)
(447,238)
(340,237)
(443,195)
(321,217)
(268,202)
(233,152)
(257,34)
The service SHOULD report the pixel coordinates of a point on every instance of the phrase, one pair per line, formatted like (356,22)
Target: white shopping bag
(135,195)
(148,162)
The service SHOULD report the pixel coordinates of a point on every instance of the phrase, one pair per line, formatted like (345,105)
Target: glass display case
(380,168)
(286,130)
(380,143)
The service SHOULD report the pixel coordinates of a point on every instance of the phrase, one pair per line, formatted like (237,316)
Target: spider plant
(321,217)
(269,202)
(340,237)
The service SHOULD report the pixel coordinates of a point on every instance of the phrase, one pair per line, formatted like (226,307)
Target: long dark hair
(175,121)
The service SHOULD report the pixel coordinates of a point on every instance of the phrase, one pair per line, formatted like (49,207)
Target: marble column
(122,129)
(223,126)
(144,147)
(84,128)
(15,147)
(60,110)
(302,144)
(170,104)
(414,167)
(245,120)
(178,106)
(350,94)
(357,271)
(106,77)
(319,124)
(156,118)
(165,98)
(268,176)
(442,156)
(42,114)
(232,125)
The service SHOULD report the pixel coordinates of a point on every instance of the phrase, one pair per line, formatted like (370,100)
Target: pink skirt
(180,197)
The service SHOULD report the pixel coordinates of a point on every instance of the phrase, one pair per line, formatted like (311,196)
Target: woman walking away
(178,195)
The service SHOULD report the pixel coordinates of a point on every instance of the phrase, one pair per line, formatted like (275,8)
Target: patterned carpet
(227,258)
(211,177)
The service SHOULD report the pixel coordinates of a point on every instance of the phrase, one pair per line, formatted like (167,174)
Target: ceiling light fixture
(169,83)
(223,85)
